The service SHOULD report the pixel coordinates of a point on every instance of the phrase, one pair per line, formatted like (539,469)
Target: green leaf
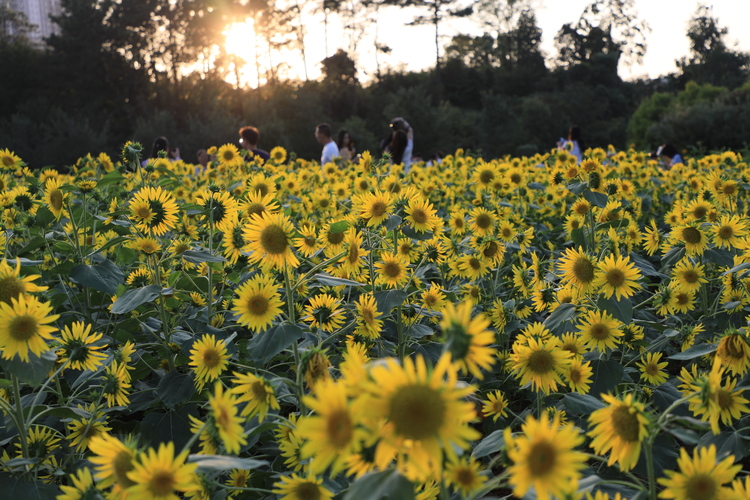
(577,187)
(418,331)
(694,352)
(393,222)
(338,227)
(596,199)
(43,217)
(33,372)
(197,257)
(621,309)
(175,388)
(111,243)
(578,237)
(581,404)
(328,280)
(264,346)
(489,445)
(13,487)
(721,258)
(379,485)
(104,277)
(728,442)
(211,463)
(606,375)
(643,265)
(563,313)
(174,425)
(113,177)
(34,243)
(134,298)
(672,257)
(388,299)
(537,185)
(738,267)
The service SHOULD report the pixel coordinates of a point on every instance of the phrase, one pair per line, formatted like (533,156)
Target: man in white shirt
(323,134)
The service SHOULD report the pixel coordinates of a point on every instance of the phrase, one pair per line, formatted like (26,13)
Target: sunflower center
(392,269)
(417,412)
(10,288)
(121,465)
(307,491)
(256,208)
(8,161)
(378,209)
(615,277)
(258,389)
(368,315)
(335,238)
(465,477)
(162,482)
(273,239)
(730,346)
(459,223)
(541,362)
(691,235)
(652,369)
(486,176)
(626,424)
(23,328)
(726,232)
(144,212)
(340,428)
(575,375)
(56,199)
(700,212)
(484,221)
(542,458)
(515,178)
(700,486)
(583,270)
(724,398)
(475,264)
(211,358)
(257,305)
(690,276)
(682,298)
(261,188)
(599,331)
(419,216)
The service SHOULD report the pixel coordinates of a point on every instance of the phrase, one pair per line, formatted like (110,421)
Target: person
(203,159)
(574,143)
(397,147)
(324,135)
(399,123)
(346,146)
(670,154)
(162,144)
(249,137)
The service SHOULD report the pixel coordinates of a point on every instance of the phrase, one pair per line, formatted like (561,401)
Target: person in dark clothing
(249,137)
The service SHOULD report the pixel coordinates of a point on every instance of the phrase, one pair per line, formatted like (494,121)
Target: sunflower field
(513,328)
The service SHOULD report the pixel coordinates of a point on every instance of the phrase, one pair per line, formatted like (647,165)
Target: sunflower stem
(193,439)
(295,347)
(20,419)
(210,294)
(648,446)
(539,405)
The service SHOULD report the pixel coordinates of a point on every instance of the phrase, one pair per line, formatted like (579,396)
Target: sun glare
(240,40)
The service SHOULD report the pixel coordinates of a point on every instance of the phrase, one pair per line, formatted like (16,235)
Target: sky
(413,47)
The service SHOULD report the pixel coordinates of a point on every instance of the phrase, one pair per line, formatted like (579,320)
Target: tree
(340,83)
(14,25)
(608,27)
(711,60)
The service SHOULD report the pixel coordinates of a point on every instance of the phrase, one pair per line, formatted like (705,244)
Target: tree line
(136,70)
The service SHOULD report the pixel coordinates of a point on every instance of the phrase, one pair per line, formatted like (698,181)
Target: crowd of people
(398,145)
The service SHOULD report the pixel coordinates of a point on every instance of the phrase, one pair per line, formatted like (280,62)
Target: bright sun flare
(241,40)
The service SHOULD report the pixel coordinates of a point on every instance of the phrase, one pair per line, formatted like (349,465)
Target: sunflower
(116,384)
(9,161)
(83,486)
(578,269)
(544,457)
(579,376)
(600,330)
(465,475)
(238,478)
(160,474)
(457,222)
(700,477)
(225,420)
(729,231)
(228,155)
(278,155)
(468,340)
(693,237)
(369,323)
(55,198)
(256,392)
(325,312)
(482,221)
(220,209)
(112,461)
(616,276)
(307,243)
(295,487)
(146,245)
(269,239)
(419,413)
(153,210)
(734,351)
(652,370)
(621,427)
(78,347)
(332,433)
(256,203)
(208,358)
(233,241)
(420,214)
(652,239)
(24,327)
(541,362)
(495,406)
(352,265)
(13,286)
(258,303)
(689,275)
(82,431)
(574,344)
